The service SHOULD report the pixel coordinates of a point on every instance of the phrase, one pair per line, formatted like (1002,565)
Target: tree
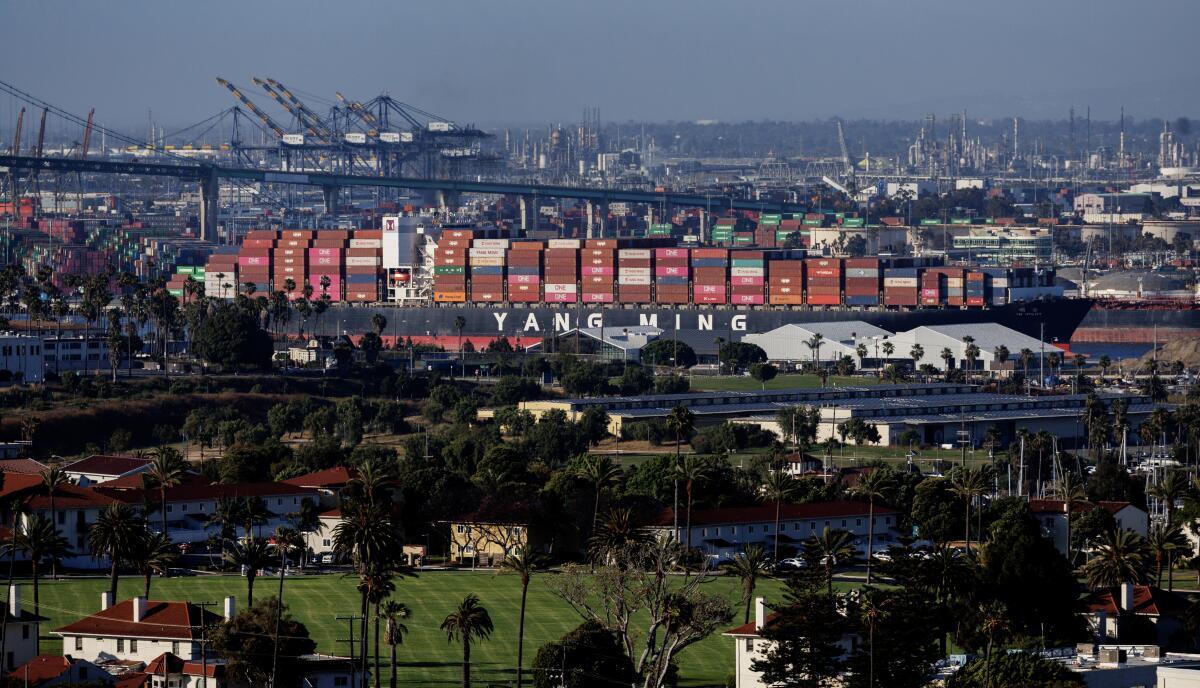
(40,540)
(1001,355)
(763,372)
(155,554)
(460,323)
(1105,363)
(1025,356)
(901,628)
(749,565)
(231,336)
(631,585)
(252,554)
(1171,489)
(469,622)
(1122,556)
(393,614)
(54,478)
(251,640)
(779,487)
(600,472)
(804,638)
(371,344)
(799,424)
(916,353)
(1071,491)
(814,345)
(593,423)
(876,484)
(371,539)
(970,353)
(1015,670)
(947,357)
(969,484)
(1164,541)
(668,352)
(167,469)
(830,548)
(680,421)
(588,656)
(524,562)
(115,534)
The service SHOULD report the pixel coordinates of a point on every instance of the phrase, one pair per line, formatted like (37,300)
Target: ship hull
(1138,325)
(1054,319)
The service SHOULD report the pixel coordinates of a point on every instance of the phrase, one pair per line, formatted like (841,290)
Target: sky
(537,61)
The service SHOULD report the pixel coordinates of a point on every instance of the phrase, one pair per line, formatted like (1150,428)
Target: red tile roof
(168,620)
(41,669)
(1147,601)
(330,477)
(137,481)
(26,466)
(107,464)
(177,665)
(199,490)
(749,629)
(70,497)
(1057,506)
(17,482)
(765,513)
(132,680)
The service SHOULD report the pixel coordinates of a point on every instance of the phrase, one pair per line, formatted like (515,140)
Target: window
(341,681)
(175,647)
(704,532)
(170,508)
(24,631)
(120,644)
(133,644)
(749,644)
(749,529)
(325,542)
(79,643)
(183,507)
(858,521)
(843,523)
(460,528)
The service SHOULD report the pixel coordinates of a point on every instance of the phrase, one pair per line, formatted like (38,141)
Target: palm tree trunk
(466,662)
(112,578)
(749,602)
(776,554)
(147,576)
(967,526)
(392,682)
(250,573)
(376,645)
(870,544)
(362,643)
(162,504)
(675,481)
(688,524)
(521,636)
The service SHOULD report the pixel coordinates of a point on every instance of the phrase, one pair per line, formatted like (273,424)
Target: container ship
(469,285)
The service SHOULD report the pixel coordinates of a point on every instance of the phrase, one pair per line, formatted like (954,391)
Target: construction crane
(266,119)
(358,109)
(16,146)
(41,134)
(312,116)
(87,136)
(847,165)
(292,110)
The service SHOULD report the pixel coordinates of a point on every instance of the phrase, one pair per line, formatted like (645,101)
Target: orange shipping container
(449,296)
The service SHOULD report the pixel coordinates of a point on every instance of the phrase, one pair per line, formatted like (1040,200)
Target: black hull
(1054,319)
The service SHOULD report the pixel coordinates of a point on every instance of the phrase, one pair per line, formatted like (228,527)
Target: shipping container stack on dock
(290,255)
(450,266)
(823,281)
(901,287)
(710,270)
(562,270)
(996,286)
(765,232)
(634,275)
(863,281)
(486,258)
(221,275)
(598,270)
(525,272)
(722,231)
(747,276)
(671,273)
(785,281)
(974,288)
(364,265)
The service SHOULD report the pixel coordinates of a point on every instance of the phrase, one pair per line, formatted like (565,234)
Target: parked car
(792,564)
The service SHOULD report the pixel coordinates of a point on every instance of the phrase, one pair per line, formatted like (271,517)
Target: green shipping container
(449,270)
(783,236)
(930,221)
(814,223)
(743,240)
(960,220)
(663,226)
(852,222)
(747,262)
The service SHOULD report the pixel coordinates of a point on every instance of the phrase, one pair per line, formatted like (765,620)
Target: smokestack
(139,608)
(1126,601)
(230,607)
(14,600)
(106,600)
(760,613)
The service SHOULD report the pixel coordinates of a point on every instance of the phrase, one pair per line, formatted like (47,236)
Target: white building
(1052,515)
(749,645)
(141,630)
(789,343)
(66,353)
(101,468)
(987,337)
(23,628)
(21,357)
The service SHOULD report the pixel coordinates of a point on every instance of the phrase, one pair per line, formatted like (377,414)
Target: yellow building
(485,544)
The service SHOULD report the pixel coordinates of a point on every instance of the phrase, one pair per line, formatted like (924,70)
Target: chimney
(760,613)
(106,600)
(14,600)
(230,607)
(1126,601)
(139,608)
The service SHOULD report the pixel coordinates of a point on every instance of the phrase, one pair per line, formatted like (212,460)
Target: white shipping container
(490,243)
(361,262)
(366,243)
(633,279)
(634,272)
(559,288)
(356,137)
(747,272)
(487,261)
(900,282)
(563,243)
(487,252)
(636,253)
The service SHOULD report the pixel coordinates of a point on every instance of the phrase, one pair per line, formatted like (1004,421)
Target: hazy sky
(522,61)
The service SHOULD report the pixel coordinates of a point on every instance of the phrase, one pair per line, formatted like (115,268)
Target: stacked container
(364,265)
(901,287)
(671,275)
(450,266)
(823,281)
(785,286)
(942,286)
(254,265)
(768,226)
(956,287)
(710,268)
(996,286)
(221,270)
(634,275)
(598,271)
(863,281)
(975,288)
(525,272)
(326,267)
(722,232)
(487,270)
(747,277)
(562,271)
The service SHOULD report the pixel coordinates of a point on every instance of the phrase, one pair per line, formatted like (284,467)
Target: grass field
(738,383)
(426,657)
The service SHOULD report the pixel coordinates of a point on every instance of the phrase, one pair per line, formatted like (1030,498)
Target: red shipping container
(746,299)
(821,300)
(709,253)
(368,234)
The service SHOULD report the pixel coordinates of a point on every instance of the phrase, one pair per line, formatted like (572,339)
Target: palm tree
(680,422)
(252,553)
(167,469)
(1122,556)
(814,345)
(994,622)
(971,353)
(969,484)
(254,512)
(888,349)
(154,554)
(779,487)
(115,534)
(1172,488)
(1105,363)
(1070,490)
(393,614)
(469,622)
(370,538)
(374,478)
(916,353)
(690,470)
(871,612)
(523,562)
(749,566)
(54,478)
(861,351)
(1026,357)
(39,539)
(830,548)
(600,472)
(1001,354)
(618,529)
(874,485)
(376,586)
(226,516)
(948,358)
(1164,540)
(459,323)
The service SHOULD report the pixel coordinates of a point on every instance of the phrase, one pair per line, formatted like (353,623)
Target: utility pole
(204,641)
(350,622)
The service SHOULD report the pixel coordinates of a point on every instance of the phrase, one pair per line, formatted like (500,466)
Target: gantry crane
(264,117)
(292,110)
(312,116)
(16,146)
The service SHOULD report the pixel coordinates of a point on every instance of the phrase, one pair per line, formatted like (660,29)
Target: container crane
(292,110)
(87,136)
(41,134)
(357,108)
(266,119)
(16,145)
(312,116)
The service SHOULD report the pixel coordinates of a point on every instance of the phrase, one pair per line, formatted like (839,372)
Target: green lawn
(739,383)
(426,657)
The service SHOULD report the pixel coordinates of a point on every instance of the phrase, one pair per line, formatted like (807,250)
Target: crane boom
(87,135)
(292,110)
(266,119)
(42,133)
(358,109)
(16,147)
(312,116)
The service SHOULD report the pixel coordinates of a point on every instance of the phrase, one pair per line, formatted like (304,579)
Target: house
(170,671)
(1133,614)
(723,533)
(141,630)
(101,468)
(330,671)
(320,541)
(328,483)
(75,509)
(749,645)
(22,628)
(1052,515)
(485,542)
(52,670)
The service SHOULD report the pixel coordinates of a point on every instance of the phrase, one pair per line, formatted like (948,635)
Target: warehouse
(790,343)
(988,337)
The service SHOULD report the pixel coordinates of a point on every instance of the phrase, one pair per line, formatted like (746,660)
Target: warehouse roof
(833,331)
(987,336)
